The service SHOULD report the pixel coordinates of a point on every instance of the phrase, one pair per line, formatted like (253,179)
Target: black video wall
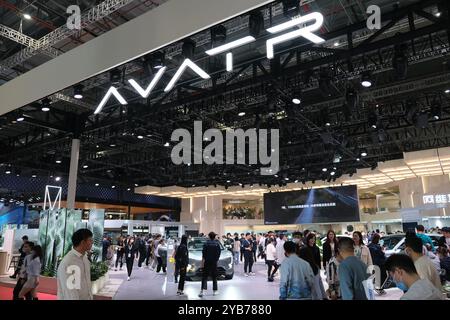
(326,205)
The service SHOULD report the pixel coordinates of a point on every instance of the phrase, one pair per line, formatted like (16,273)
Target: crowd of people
(353,265)
(349,263)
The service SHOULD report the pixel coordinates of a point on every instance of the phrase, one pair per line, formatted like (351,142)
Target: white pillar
(72,185)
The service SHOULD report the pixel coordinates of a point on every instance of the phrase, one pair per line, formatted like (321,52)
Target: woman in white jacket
(271,257)
(361,250)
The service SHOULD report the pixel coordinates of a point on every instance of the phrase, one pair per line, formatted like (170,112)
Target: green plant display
(98,270)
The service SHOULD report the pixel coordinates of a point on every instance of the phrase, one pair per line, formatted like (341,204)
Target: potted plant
(99,276)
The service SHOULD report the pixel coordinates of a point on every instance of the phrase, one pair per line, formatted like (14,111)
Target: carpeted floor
(7,293)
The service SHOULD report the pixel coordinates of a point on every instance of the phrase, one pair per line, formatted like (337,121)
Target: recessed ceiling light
(45,109)
(112,145)
(19,119)
(324,169)
(96,184)
(8,171)
(27,16)
(241,114)
(58,161)
(287,179)
(336,43)
(296,101)
(447,91)
(332,173)
(167,144)
(85,166)
(58,179)
(140,137)
(129,189)
(113,187)
(228,181)
(437,14)
(136,185)
(358,159)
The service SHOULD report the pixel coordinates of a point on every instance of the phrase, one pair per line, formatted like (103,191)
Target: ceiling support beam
(168,23)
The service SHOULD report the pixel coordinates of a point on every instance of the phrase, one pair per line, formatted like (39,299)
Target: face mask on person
(400,284)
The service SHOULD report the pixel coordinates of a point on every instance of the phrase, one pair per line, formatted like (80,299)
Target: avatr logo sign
(301,31)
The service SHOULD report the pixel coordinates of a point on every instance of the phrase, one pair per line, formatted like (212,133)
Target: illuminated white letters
(187,63)
(111,92)
(305,32)
(301,31)
(374,20)
(146,93)
(229,46)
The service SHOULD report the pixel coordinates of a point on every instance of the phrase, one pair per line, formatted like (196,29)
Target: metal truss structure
(45,44)
(264,90)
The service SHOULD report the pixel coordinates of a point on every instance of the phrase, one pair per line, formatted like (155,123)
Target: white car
(395,243)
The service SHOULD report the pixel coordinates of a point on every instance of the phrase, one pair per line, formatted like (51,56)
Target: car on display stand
(225,266)
(395,243)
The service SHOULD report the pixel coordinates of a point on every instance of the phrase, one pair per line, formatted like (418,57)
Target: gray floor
(147,285)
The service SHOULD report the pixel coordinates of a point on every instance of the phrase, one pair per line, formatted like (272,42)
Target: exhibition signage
(301,31)
(436,199)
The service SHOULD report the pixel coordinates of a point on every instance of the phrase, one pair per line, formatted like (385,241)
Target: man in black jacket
(211,255)
(444,241)
(22,257)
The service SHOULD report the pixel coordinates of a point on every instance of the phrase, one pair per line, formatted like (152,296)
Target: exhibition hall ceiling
(331,126)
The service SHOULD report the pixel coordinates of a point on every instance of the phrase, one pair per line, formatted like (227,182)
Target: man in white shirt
(74,271)
(425,268)
(404,273)
(280,249)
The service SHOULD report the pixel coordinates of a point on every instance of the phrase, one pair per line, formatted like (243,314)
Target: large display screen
(327,205)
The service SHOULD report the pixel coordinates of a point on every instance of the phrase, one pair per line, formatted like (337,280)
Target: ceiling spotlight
(287,179)
(140,137)
(256,23)
(85,166)
(437,14)
(128,189)
(447,91)
(373,120)
(332,173)
(228,181)
(33,175)
(324,169)
(366,79)
(158,59)
(363,153)
(296,181)
(20,119)
(58,161)
(112,145)
(336,43)
(400,61)
(296,101)
(97,184)
(45,105)
(241,114)
(8,171)
(115,76)
(358,159)
(113,187)
(58,179)
(167,144)
(78,91)
(136,185)
(436,110)
(27,16)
